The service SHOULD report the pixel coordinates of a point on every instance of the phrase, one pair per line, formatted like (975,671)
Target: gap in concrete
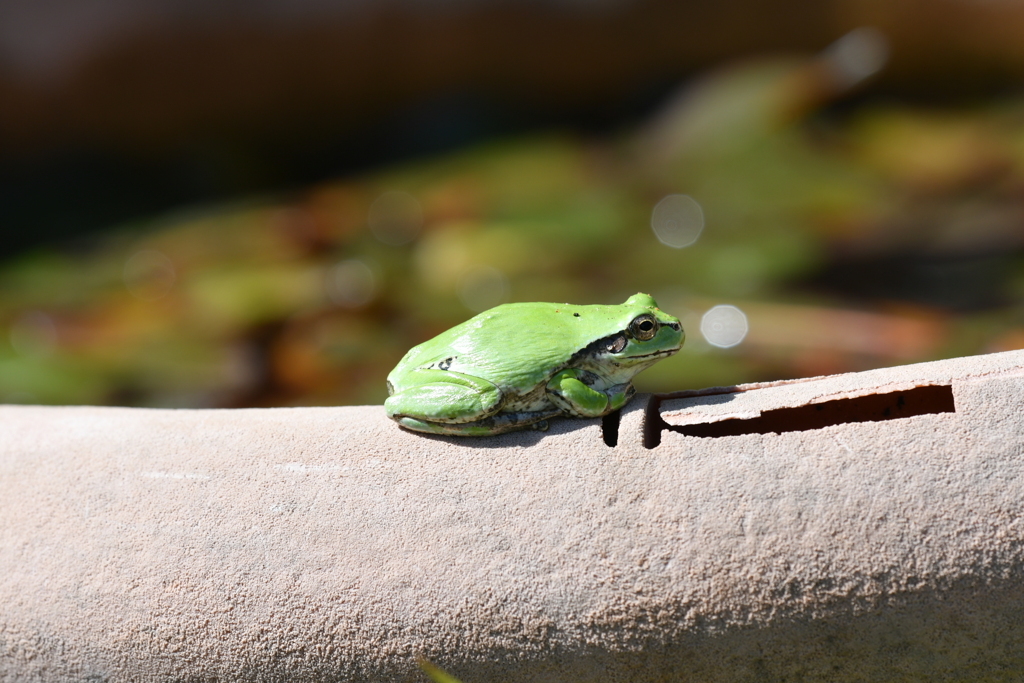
(610,428)
(654,423)
(894,405)
(926,400)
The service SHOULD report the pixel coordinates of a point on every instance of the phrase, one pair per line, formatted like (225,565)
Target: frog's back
(516,346)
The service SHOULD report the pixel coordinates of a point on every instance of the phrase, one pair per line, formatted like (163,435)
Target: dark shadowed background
(266,203)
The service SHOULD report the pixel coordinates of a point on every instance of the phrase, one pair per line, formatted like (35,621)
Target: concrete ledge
(750,543)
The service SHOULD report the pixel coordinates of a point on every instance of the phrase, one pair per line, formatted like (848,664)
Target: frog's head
(645,335)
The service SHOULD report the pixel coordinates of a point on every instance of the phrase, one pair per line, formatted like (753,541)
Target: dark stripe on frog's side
(611,344)
(511,401)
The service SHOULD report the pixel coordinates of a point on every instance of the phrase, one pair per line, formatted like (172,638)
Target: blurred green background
(261,207)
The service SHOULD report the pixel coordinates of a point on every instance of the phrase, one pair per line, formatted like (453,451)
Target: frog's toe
(541,426)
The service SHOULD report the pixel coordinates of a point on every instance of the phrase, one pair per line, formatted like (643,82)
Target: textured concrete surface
(326,544)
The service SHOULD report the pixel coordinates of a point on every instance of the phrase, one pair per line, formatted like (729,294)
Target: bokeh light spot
(33,334)
(677,220)
(149,275)
(859,54)
(351,284)
(482,287)
(395,218)
(724,326)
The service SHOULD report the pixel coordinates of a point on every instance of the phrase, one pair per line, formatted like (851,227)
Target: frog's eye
(644,327)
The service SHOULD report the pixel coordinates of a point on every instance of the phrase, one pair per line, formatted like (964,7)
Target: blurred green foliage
(887,235)
(436,674)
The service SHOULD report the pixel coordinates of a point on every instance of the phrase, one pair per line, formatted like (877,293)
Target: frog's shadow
(525,437)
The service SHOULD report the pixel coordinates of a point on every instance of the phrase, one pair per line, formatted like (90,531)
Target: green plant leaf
(435,674)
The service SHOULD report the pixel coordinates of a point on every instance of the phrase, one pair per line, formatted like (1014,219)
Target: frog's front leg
(567,391)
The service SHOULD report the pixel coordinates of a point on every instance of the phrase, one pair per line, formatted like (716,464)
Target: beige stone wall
(327,544)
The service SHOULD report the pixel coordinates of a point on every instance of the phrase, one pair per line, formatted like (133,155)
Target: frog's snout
(678,329)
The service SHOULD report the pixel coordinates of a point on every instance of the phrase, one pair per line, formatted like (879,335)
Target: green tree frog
(517,365)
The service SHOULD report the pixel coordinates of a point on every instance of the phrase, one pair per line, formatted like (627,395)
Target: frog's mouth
(653,354)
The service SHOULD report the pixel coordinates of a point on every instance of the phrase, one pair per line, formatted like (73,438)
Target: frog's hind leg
(496,424)
(440,396)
